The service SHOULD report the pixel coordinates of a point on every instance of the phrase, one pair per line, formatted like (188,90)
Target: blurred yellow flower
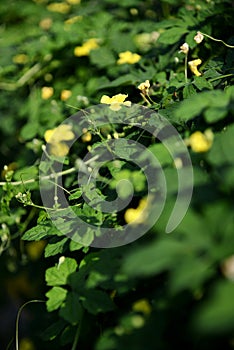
(115,101)
(193,66)
(65,94)
(61,7)
(128,57)
(56,137)
(200,142)
(47,92)
(136,216)
(73,19)
(142,305)
(46,23)
(85,49)
(86,137)
(26,344)
(73,2)
(20,58)
(35,249)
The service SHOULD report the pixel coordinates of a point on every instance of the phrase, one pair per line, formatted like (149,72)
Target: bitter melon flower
(73,2)
(60,7)
(85,49)
(199,37)
(65,94)
(144,87)
(193,66)
(128,57)
(115,101)
(136,216)
(21,58)
(200,142)
(184,48)
(56,137)
(143,306)
(47,92)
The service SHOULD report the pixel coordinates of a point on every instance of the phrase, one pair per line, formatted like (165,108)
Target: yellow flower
(199,37)
(65,94)
(46,23)
(56,137)
(184,48)
(86,137)
(193,66)
(142,305)
(73,19)
(60,7)
(200,142)
(128,57)
(116,101)
(85,49)
(46,92)
(20,58)
(144,87)
(136,216)
(73,2)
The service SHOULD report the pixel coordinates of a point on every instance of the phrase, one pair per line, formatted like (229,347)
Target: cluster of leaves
(161,290)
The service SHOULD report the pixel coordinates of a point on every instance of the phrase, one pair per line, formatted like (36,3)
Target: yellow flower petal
(60,7)
(46,92)
(115,106)
(128,57)
(59,149)
(20,58)
(142,305)
(65,94)
(61,133)
(193,66)
(200,142)
(85,49)
(119,98)
(105,99)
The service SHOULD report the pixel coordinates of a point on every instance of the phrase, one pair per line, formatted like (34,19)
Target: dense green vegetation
(137,86)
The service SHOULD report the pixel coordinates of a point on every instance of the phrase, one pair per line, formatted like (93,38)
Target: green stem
(186,68)
(77,335)
(47,177)
(219,40)
(18,317)
(221,77)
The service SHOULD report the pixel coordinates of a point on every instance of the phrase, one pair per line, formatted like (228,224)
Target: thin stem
(186,68)
(221,77)
(211,37)
(47,177)
(18,317)
(77,335)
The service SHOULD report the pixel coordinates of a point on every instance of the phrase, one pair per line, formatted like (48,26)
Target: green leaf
(172,35)
(36,233)
(55,248)
(58,275)
(216,315)
(56,296)
(154,258)
(102,57)
(161,153)
(188,91)
(71,310)
(221,150)
(96,301)
(75,195)
(201,83)
(195,105)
